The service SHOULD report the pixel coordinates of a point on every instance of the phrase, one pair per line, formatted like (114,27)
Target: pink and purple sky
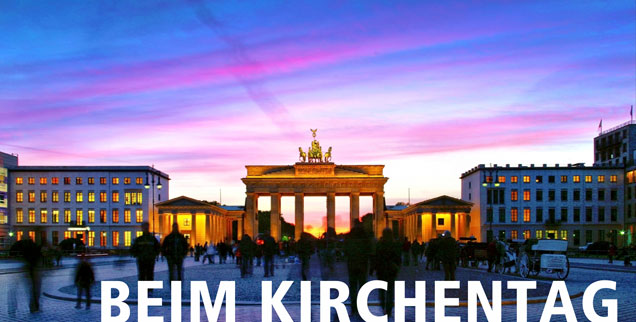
(200,89)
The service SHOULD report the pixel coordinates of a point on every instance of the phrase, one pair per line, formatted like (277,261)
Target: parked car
(584,247)
(598,248)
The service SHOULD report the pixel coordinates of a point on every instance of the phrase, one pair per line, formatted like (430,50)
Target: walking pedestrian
(269,251)
(175,249)
(387,266)
(145,248)
(305,249)
(448,255)
(406,251)
(611,252)
(357,250)
(246,250)
(84,279)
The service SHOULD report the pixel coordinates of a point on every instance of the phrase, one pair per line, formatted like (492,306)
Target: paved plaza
(57,282)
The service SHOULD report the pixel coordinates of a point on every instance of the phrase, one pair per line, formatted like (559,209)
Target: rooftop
(533,167)
(90,168)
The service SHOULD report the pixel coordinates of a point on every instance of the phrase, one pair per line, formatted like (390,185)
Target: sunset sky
(202,88)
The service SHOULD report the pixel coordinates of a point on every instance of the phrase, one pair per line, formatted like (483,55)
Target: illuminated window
(55,216)
(588,179)
(43,180)
(115,180)
(132,198)
(488,179)
(564,179)
(43,196)
(102,239)
(115,239)
(514,195)
(91,180)
(4,219)
(78,180)
(19,196)
(32,235)
(31,196)
(19,180)
(126,215)
(139,180)
(526,195)
(513,179)
(102,180)
(501,179)
(43,216)
(103,196)
(102,215)
(564,234)
(67,235)
(55,196)
(55,180)
(67,216)
(539,234)
(79,216)
(526,215)
(576,179)
(526,179)
(115,215)
(19,235)
(91,216)
(514,235)
(526,234)
(514,214)
(600,179)
(67,180)
(19,216)
(31,216)
(139,233)
(127,180)
(91,196)
(31,180)
(91,238)
(67,196)
(613,179)
(79,196)
(115,196)
(140,215)
(127,238)
(629,176)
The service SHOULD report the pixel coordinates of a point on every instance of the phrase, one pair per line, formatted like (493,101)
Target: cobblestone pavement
(57,310)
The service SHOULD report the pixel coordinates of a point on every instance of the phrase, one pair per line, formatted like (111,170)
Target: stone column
(275,216)
(193,232)
(433,225)
(378,209)
(466,224)
(239,229)
(251,209)
(208,232)
(174,220)
(299,210)
(354,208)
(453,224)
(331,210)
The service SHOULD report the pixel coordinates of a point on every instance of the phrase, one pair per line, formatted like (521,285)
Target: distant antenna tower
(220,197)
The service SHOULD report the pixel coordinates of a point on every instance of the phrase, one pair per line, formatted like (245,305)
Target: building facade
(574,202)
(6,160)
(102,205)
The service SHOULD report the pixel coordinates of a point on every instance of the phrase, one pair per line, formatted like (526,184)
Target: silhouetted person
(387,267)
(415,251)
(145,248)
(31,254)
(448,255)
(246,249)
(269,250)
(84,279)
(357,249)
(175,249)
(304,249)
(406,251)
(611,252)
(491,252)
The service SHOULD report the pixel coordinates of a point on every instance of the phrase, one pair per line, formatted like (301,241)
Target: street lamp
(147,186)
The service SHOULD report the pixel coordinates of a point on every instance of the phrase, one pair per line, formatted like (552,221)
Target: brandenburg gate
(313,175)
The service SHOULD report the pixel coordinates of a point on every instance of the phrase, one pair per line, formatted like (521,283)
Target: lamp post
(487,183)
(147,186)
